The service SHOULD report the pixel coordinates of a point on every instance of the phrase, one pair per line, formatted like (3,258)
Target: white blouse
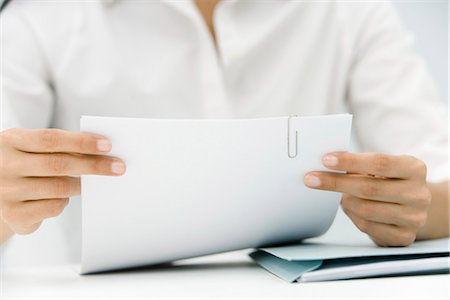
(64,59)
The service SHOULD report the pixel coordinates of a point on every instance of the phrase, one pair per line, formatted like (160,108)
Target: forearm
(5,232)
(437,225)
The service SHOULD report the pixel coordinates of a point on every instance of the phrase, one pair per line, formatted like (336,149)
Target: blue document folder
(321,261)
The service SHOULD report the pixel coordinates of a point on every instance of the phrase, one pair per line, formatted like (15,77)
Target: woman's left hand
(385,196)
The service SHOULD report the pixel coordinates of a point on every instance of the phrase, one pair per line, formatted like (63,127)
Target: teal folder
(308,261)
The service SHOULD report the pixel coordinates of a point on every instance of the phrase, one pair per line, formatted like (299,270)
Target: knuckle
(61,187)
(10,162)
(34,187)
(75,186)
(10,215)
(380,163)
(346,204)
(27,229)
(363,225)
(329,181)
(345,200)
(8,135)
(56,207)
(406,194)
(420,167)
(57,163)
(370,189)
(98,165)
(351,160)
(405,238)
(50,138)
(345,207)
(423,198)
(378,242)
(418,220)
(83,143)
(365,210)
(8,190)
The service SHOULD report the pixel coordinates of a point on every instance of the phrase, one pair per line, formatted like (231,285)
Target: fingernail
(104,145)
(312,181)
(330,161)
(118,167)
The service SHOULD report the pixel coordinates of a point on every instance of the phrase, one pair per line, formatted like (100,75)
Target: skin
(385,196)
(206,9)
(39,171)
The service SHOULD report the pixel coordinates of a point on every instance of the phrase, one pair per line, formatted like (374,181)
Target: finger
(56,140)
(403,166)
(25,228)
(384,234)
(61,164)
(388,190)
(383,212)
(35,188)
(23,217)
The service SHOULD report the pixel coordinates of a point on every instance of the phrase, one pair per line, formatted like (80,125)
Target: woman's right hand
(39,169)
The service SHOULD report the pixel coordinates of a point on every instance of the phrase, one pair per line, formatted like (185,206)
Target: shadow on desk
(180,267)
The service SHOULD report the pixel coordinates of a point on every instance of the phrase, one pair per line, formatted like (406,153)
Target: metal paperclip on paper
(290,154)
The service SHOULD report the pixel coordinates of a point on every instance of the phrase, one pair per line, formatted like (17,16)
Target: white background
(428,20)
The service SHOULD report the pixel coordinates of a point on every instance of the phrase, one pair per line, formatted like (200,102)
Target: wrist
(437,225)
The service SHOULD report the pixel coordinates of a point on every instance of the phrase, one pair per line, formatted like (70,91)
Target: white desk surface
(225,276)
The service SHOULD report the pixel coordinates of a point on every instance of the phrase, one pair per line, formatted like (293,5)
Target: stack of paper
(196,187)
(319,261)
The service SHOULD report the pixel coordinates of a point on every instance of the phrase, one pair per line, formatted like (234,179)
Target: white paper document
(197,187)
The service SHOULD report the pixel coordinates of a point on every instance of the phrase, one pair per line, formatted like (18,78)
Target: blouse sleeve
(392,96)
(26,92)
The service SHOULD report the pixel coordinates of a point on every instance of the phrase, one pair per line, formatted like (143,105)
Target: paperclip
(289,138)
